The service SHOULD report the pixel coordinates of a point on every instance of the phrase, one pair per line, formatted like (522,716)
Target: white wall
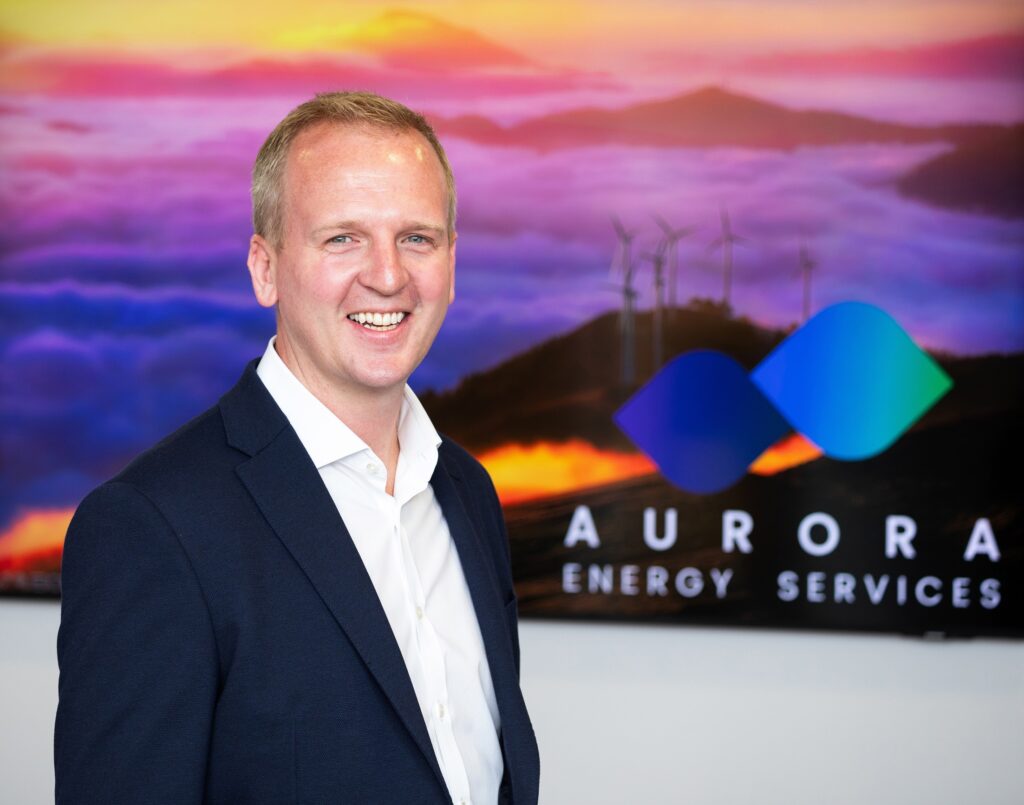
(636,714)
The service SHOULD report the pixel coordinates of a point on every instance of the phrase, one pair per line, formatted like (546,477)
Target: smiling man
(304,595)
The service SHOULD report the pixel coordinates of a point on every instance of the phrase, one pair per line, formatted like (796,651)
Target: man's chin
(380,381)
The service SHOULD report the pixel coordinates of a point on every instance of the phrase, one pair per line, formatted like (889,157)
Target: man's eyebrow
(337,225)
(425,227)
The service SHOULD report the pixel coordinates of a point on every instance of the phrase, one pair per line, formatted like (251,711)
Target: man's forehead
(397,145)
(333,168)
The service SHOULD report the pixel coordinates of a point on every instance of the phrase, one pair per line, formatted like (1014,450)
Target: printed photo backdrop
(636,183)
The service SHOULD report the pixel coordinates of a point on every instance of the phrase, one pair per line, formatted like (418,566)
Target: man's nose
(385,273)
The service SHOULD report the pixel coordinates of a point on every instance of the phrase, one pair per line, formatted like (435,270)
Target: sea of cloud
(125,307)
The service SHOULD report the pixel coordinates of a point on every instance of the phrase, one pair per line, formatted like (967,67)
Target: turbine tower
(657,259)
(671,241)
(622,264)
(807,266)
(727,239)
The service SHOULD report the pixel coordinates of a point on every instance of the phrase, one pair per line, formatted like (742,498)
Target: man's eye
(419,239)
(341,239)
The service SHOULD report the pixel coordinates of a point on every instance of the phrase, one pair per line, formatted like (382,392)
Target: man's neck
(374,421)
(371,415)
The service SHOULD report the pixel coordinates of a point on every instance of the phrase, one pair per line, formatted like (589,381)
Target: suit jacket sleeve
(137,656)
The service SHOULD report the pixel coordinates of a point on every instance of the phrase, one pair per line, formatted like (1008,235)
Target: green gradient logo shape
(851,380)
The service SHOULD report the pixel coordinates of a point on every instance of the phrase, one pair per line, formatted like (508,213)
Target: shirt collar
(325,437)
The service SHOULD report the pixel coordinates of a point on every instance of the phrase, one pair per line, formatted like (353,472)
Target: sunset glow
(524,472)
(791,451)
(34,539)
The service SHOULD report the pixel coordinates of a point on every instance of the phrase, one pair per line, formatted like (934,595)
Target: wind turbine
(622,263)
(807,266)
(671,242)
(657,259)
(726,241)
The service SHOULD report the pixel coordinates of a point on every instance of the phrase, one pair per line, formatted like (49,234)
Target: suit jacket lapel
(289,491)
(490,611)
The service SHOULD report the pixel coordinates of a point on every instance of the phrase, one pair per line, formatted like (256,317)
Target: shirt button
(419,613)
(440,710)
(371,468)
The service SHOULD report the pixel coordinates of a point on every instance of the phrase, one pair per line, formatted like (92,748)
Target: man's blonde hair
(345,108)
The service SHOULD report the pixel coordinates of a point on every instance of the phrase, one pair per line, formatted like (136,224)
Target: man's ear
(451,261)
(262,264)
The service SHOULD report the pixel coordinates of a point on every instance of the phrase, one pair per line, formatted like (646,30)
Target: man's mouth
(380,322)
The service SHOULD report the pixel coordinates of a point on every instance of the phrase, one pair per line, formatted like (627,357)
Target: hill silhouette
(984,175)
(568,386)
(704,118)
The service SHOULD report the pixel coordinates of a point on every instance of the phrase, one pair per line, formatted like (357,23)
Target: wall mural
(739,327)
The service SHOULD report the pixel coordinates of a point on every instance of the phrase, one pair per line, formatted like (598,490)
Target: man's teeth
(378,321)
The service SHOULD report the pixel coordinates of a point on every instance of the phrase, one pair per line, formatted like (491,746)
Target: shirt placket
(434,670)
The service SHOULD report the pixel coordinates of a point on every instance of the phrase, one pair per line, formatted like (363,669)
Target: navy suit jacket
(221,640)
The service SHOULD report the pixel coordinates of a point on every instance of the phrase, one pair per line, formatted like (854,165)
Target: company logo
(850,380)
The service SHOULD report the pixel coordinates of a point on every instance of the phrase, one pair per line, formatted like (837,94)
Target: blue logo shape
(702,421)
(851,380)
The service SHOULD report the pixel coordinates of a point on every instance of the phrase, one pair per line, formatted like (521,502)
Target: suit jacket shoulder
(183,461)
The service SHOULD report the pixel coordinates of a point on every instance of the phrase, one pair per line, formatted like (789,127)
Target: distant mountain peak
(409,38)
(715,92)
(718,96)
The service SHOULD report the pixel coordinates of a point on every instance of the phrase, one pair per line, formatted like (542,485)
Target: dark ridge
(984,175)
(568,386)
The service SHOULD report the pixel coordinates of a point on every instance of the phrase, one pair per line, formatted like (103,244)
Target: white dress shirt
(408,552)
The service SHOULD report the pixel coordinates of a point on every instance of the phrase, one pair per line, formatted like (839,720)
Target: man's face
(364,272)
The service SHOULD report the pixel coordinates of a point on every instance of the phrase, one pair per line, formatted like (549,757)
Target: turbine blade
(663,224)
(618,226)
(616,260)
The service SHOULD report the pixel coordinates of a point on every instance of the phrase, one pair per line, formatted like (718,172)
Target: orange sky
(525,472)
(569,31)
(32,534)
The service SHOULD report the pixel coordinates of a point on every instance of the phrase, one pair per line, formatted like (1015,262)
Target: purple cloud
(78,308)
(76,408)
